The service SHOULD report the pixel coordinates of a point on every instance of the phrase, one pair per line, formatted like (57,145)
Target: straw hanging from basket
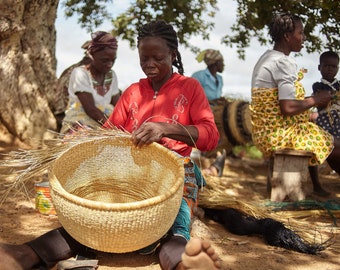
(23,165)
(108,194)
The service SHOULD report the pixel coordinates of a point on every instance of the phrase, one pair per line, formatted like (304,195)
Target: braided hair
(165,31)
(282,23)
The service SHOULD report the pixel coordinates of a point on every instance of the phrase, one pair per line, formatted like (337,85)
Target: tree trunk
(27,67)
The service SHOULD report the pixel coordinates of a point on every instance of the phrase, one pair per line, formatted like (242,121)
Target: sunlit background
(237,72)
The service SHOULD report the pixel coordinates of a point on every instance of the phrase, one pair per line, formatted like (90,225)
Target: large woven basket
(114,197)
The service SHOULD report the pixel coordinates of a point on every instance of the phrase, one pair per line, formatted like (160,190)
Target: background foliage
(194,17)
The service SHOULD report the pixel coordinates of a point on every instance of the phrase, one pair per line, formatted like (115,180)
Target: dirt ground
(243,180)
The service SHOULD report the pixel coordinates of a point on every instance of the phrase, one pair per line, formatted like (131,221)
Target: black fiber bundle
(274,232)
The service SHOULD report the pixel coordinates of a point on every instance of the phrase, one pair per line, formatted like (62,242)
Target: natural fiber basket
(114,197)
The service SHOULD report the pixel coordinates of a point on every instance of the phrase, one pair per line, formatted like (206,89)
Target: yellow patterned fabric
(272,130)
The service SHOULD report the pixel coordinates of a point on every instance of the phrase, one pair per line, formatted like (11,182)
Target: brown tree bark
(27,67)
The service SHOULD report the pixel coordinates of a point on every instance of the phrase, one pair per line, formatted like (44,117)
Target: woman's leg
(334,158)
(48,250)
(55,246)
(18,257)
(170,254)
(314,175)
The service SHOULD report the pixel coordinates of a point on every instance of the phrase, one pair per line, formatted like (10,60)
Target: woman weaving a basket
(167,108)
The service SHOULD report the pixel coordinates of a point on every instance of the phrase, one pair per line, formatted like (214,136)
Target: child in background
(329,116)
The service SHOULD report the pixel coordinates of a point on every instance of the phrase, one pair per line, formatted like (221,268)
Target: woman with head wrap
(212,84)
(209,78)
(93,88)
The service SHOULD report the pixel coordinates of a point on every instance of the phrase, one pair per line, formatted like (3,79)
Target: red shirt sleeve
(203,119)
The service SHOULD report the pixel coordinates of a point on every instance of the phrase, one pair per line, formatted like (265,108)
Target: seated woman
(93,88)
(168,108)
(280,110)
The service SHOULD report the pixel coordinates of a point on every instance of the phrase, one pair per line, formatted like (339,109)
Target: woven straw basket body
(114,197)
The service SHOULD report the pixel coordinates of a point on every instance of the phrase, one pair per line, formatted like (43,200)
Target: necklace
(101,87)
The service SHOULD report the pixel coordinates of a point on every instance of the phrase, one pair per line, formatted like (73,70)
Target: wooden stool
(289,169)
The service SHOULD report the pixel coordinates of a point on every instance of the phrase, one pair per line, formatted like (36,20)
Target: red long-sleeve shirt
(180,100)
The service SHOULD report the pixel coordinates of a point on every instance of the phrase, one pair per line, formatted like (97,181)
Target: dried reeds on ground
(294,215)
(244,181)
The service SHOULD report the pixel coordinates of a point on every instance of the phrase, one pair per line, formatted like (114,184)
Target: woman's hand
(148,133)
(322,98)
(294,107)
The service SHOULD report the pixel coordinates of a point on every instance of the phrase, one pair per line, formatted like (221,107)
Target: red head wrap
(102,40)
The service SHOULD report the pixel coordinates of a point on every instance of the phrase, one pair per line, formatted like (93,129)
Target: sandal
(77,265)
(219,162)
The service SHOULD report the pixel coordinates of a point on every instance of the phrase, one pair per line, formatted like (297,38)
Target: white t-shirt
(274,69)
(81,81)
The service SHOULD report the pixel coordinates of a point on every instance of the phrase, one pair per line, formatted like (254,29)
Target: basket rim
(56,186)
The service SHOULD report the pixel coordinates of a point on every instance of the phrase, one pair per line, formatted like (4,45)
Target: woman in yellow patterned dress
(280,110)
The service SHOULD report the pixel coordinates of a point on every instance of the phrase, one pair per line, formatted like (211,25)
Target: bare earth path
(242,179)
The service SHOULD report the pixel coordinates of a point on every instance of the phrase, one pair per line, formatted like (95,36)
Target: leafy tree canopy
(194,17)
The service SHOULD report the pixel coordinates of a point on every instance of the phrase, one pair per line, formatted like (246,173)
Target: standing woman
(280,110)
(93,88)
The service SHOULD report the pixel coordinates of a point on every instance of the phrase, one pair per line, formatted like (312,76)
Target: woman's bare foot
(217,167)
(200,255)
(211,171)
(20,257)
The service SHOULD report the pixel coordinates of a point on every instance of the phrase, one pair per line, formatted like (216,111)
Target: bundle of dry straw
(23,165)
(216,197)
